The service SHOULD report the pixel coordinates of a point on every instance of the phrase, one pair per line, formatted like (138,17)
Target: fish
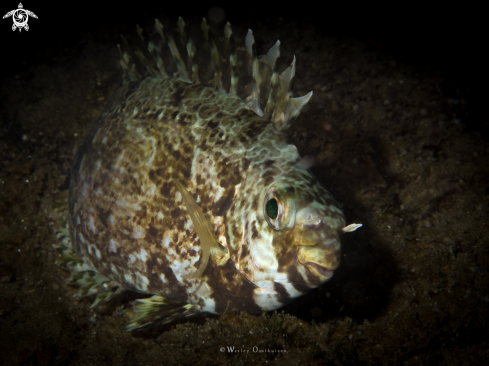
(185,189)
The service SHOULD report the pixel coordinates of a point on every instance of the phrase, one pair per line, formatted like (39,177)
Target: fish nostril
(312,221)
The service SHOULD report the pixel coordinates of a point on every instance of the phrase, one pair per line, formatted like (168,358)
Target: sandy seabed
(388,139)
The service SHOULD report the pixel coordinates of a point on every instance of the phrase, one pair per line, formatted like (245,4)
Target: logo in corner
(20,17)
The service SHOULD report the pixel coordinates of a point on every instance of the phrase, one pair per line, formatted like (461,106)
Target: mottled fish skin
(127,219)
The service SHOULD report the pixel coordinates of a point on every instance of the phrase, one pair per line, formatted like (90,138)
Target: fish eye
(279,208)
(272,208)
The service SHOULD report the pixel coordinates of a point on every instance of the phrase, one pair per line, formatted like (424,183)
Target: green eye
(279,206)
(272,208)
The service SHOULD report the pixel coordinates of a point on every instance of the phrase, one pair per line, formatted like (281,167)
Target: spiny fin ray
(200,58)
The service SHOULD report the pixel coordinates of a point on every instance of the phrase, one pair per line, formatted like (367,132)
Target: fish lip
(318,270)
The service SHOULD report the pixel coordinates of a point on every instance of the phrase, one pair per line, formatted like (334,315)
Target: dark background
(433,40)
(446,38)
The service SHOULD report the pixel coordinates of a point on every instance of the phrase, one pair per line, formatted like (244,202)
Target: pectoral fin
(208,241)
(158,310)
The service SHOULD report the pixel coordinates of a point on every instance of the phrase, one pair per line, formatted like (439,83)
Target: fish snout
(321,259)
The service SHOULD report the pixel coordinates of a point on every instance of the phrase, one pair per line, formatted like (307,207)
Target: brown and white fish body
(186,188)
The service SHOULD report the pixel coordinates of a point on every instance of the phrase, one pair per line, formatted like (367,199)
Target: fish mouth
(327,254)
(319,271)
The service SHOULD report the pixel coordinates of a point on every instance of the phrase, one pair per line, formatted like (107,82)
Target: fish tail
(201,58)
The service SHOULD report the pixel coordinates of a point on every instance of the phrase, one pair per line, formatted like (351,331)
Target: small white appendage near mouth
(351,227)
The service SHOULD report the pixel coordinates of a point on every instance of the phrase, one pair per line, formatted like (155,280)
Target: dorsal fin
(218,63)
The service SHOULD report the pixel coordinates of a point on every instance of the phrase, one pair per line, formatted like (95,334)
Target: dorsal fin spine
(205,29)
(132,74)
(182,70)
(193,63)
(124,65)
(253,101)
(233,63)
(159,30)
(181,30)
(217,69)
(162,41)
(253,79)
(272,96)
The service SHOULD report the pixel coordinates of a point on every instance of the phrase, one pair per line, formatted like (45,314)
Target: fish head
(301,229)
